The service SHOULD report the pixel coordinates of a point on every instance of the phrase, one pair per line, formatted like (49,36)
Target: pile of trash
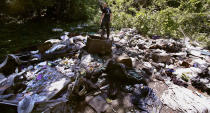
(88,74)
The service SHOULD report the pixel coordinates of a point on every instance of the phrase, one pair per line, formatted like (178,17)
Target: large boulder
(44,47)
(124,59)
(9,65)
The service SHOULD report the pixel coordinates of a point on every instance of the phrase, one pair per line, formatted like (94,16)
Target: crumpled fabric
(145,99)
(185,100)
(119,72)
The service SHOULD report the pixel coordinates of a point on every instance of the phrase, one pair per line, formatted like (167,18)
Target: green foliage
(164,17)
(143,21)
(122,13)
(25,7)
(80,9)
(185,77)
(2,5)
(59,9)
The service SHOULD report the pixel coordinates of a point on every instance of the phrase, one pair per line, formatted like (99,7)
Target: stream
(15,37)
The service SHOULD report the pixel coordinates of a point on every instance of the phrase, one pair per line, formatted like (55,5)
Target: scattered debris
(100,75)
(185,100)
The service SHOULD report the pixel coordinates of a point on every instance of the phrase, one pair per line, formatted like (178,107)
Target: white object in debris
(55,48)
(64,37)
(185,100)
(35,52)
(57,30)
(53,41)
(42,63)
(190,72)
(26,105)
(195,53)
(147,64)
(85,60)
(79,26)
(80,37)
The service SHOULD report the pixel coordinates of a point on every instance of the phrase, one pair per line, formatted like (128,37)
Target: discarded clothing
(119,72)
(145,99)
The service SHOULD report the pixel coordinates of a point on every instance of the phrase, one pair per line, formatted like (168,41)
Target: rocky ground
(88,74)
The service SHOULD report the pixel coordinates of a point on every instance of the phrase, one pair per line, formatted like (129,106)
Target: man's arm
(102,16)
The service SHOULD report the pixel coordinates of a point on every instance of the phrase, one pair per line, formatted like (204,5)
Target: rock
(167,45)
(202,81)
(161,57)
(123,41)
(205,73)
(44,47)
(173,47)
(99,46)
(125,59)
(9,65)
(179,82)
(147,67)
(201,84)
(98,103)
(141,46)
(59,105)
(186,64)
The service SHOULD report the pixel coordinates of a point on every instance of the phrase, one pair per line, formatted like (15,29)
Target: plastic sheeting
(185,100)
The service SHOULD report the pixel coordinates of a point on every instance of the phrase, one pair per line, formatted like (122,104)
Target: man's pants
(105,25)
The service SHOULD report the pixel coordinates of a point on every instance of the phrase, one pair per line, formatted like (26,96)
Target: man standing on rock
(106,18)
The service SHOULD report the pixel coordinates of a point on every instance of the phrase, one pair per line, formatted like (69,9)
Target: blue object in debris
(155,37)
(205,53)
(171,70)
(39,77)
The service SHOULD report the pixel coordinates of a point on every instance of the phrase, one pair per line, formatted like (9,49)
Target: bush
(164,17)
(59,9)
